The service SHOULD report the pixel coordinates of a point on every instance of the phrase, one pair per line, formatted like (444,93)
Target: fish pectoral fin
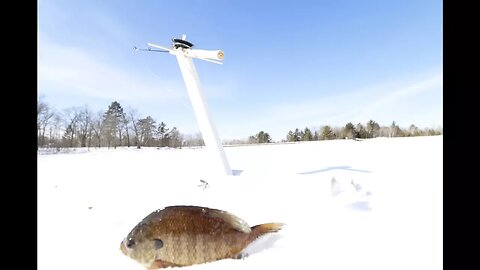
(162,264)
(241,255)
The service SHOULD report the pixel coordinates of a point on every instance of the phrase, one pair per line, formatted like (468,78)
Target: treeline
(370,130)
(359,131)
(80,127)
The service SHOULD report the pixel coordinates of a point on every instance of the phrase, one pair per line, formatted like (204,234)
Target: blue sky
(288,64)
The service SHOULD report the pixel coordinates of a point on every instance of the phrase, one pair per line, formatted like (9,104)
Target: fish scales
(203,239)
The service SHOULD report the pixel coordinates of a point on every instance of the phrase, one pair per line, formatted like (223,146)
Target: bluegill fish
(186,235)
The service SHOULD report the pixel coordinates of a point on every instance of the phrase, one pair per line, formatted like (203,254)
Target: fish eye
(158,243)
(130,243)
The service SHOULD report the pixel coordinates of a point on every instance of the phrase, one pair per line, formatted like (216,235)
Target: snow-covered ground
(389,218)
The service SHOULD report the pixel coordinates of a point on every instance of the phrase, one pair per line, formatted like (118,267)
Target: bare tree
(337,132)
(72,116)
(89,135)
(394,130)
(384,131)
(55,130)
(84,119)
(125,121)
(175,138)
(44,114)
(193,140)
(40,108)
(132,115)
(96,127)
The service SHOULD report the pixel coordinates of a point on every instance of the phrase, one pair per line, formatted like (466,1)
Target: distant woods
(350,131)
(115,127)
(359,131)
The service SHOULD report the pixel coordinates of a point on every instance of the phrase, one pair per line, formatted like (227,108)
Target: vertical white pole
(209,132)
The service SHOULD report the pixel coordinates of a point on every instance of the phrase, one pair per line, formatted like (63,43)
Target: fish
(184,235)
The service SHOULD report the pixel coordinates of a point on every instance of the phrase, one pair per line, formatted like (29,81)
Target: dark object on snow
(204,184)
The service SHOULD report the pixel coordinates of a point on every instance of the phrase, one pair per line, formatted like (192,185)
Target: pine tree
(326,133)
(349,131)
(162,133)
(112,123)
(414,131)
(290,136)
(146,127)
(294,136)
(307,135)
(373,129)
(361,131)
(263,137)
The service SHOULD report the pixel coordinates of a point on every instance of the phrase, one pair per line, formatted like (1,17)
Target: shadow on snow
(347,168)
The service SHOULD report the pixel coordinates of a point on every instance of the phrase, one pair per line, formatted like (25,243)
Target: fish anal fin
(162,264)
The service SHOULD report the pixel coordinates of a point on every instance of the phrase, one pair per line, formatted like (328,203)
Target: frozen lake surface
(390,217)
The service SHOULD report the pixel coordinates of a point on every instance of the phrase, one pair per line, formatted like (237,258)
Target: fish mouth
(123,248)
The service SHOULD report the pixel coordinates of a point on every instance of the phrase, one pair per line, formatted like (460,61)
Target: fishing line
(187,105)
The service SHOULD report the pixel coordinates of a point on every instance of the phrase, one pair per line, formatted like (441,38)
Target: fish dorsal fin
(236,222)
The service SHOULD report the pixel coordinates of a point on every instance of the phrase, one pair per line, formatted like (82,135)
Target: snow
(389,218)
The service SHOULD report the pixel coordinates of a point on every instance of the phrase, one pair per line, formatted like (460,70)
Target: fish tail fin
(262,229)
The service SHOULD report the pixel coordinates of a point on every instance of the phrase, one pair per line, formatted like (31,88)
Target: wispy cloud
(85,23)
(75,71)
(416,102)
(390,99)
(378,102)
